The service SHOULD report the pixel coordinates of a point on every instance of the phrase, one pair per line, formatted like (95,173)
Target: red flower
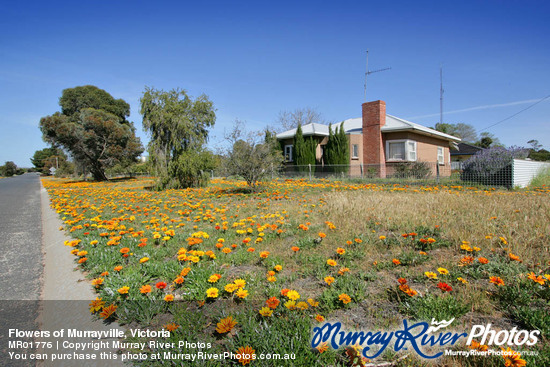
(444,287)
(160,285)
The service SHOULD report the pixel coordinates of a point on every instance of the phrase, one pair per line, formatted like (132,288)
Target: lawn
(257,271)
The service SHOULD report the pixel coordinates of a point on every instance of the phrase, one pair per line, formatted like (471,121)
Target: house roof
(466,149)
(355,126)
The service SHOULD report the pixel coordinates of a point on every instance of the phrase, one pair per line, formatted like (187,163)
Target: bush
(492,166)
(411,170)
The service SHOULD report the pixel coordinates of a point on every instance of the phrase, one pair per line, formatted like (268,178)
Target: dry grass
(522,218)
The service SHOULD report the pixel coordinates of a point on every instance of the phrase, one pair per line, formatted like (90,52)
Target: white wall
(525,171)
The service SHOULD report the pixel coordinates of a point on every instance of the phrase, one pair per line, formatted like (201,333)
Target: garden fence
(428,173)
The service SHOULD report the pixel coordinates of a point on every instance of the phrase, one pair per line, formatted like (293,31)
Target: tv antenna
(441,91)
(367,73)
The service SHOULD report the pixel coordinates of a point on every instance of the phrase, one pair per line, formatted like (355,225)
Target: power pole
(367,73)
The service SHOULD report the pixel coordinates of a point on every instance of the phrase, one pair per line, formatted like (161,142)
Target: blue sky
(255,59)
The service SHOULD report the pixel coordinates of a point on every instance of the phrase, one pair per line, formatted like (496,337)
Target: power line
(517,113)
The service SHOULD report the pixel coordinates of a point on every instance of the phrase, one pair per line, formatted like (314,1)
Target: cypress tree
(300,149)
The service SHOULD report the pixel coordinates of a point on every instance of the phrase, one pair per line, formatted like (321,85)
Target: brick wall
(374,117)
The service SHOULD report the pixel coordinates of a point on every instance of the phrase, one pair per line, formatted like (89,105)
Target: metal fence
(517,173)
(431,173)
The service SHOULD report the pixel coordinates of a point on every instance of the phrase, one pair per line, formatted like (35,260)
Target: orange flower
(161,285)
(295,248)
(478,346)
(264,254)
(272,302)
(329,280)
(145,289)
(169,298)
(319,318)
(514,257)
(331,262)
(124,250)
(108,311)
(323,347)
(179,280)
(483,260)
(537,279)
(322,235)
(512,358)
(226,325)
(171,327)
(497,281)
(97,282)
(185,271)
(96,305)
(344,298)
(342,271)
(246,354)
(340,251)
(396,261)
(118,268)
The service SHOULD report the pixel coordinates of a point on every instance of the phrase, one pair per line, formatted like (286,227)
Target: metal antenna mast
(367,73)
(441,91)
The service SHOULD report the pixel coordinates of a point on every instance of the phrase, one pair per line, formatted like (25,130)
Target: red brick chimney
(374,117)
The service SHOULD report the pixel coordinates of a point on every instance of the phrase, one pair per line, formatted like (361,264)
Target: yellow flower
(302,305)
(240,283)
(462,280)
(331,262)
(213,279)
(266,311)
(230,288)
(293,295)
(312,302)
(442,271)
(291,305)
(212,292)
(124,290)
(169,297)
(143,260)
(431,274)
(241,293)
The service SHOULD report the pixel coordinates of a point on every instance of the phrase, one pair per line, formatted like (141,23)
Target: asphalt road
(21,259)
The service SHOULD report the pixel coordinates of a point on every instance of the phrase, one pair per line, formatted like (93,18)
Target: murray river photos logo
(417,336)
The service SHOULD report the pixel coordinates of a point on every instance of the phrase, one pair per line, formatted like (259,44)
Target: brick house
(380,142)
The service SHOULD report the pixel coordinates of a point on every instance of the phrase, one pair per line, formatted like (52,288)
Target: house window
(355,151)
(440,155)
(288,153)
(401,150)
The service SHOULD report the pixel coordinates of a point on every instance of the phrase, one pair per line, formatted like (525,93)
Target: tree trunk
(98,173)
